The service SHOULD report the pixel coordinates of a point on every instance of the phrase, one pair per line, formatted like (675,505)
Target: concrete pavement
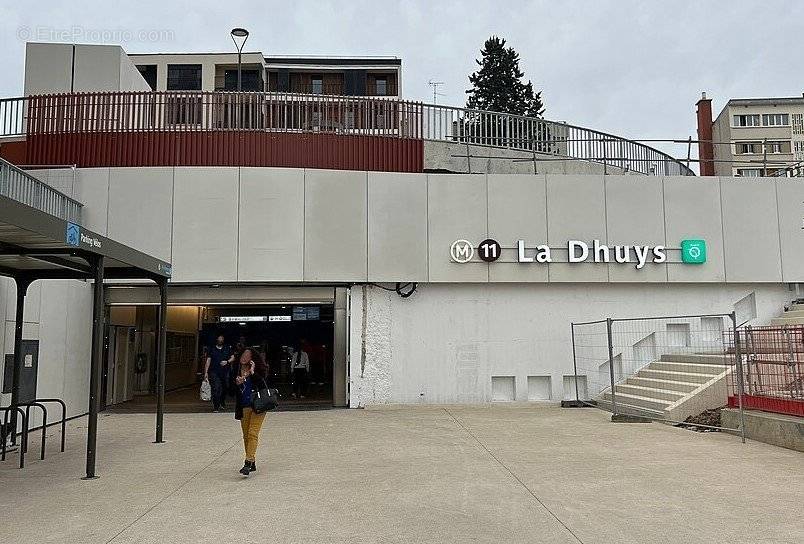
(503,473)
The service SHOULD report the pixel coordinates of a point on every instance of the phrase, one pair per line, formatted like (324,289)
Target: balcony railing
(18,185)
(290,112)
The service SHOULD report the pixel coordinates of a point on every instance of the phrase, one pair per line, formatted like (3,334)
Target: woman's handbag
(264,399)
(206,391)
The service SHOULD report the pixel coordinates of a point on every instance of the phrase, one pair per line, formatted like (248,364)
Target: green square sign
(693,251)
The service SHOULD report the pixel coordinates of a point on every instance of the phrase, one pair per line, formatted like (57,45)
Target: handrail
(41,406)
(194,111)
(7,410)
(21,186)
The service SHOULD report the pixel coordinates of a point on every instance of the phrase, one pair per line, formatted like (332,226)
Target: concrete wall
(59,315)
(59,68)
(452,157)
(295,225)
(446,342)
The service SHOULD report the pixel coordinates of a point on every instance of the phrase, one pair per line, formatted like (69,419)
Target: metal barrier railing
(11,433)
(772,360)
(23,187)
(8,410)
(191,111)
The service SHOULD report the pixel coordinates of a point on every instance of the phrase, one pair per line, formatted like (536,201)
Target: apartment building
(322,75)
(753,137)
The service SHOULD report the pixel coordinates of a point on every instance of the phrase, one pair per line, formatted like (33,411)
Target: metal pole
(161,353)
(611,366)
(22,289)
(739,361)
(575,364)
(95,368)
(239,67)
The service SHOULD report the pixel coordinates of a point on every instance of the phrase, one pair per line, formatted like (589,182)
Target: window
(317,84)
(184,77)
(775,119)
(249,80)
(747,148)
(775,147)
(799,149)
(749,172)
(148,73)
(382,86)
(748,120)
(798,123)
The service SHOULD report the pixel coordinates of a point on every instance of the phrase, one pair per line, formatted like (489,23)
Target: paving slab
(492,473)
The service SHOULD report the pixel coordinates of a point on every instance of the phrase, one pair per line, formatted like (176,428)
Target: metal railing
(191,111)
(23,187)
(772,360)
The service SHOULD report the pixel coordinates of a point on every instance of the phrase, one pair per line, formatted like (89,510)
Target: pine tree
(498,86)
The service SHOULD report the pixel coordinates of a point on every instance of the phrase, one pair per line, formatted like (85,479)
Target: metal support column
(161,355)
(22,289)
(95,366)
(611,366)
(738,360)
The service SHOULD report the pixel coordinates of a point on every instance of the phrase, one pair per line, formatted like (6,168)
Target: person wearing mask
(252,374)
(300,367)
(216,372)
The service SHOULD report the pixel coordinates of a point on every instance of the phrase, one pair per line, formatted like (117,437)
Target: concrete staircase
(794,315)
(674,387)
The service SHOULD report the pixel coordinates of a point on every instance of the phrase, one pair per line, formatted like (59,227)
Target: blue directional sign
(73,234)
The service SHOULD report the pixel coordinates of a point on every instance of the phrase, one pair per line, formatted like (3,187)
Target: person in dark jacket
(250,378)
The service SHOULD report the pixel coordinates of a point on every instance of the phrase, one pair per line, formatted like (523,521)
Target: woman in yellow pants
(250,378)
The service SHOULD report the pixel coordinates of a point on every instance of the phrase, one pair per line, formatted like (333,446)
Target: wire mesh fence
(665,367)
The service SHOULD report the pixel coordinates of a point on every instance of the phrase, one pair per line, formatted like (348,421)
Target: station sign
(578,251)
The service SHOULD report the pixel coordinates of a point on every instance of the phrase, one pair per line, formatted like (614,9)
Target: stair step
(797,307)
(678,366)
(707,359)
(638,401)
(784,320)
(624,408)
(648,392)
(793,313)
(689,377)
(658,383)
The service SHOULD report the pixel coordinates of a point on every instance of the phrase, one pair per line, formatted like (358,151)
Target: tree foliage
(498,83)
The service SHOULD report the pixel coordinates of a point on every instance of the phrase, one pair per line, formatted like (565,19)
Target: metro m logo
(461,251)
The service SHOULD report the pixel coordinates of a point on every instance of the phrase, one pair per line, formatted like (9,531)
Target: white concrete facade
(448,342)
(467,323)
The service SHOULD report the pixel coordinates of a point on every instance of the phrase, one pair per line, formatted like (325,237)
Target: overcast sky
(632,68)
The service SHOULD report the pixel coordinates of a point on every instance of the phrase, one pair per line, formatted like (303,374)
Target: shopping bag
(206,391)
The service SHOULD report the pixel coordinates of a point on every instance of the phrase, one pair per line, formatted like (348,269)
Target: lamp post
(239,37)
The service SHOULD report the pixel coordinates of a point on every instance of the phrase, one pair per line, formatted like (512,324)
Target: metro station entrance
(298,318)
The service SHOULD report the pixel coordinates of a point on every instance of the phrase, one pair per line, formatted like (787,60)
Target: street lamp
(239,37)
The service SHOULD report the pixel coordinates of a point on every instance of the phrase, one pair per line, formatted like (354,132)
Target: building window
(748,148)
(798,123)
(381,86)
(249,80)
(799,149)
(775,147)
(749,172)
(775,119)
(148,73)
(748,120)
(184,77)
(317,84)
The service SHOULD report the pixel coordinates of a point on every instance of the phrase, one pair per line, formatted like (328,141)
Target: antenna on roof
(434,85)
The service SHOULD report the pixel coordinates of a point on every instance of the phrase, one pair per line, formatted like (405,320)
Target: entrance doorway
(129,383)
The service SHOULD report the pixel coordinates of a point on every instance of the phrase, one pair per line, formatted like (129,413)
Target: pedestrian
(300,366)
(216,372)
(251,377)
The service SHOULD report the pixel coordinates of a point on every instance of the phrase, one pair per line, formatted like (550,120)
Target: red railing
(773,369)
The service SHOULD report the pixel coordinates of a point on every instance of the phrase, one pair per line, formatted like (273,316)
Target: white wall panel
(92,190)
(790,198)
(576,210)
(751,230)
(205,224)
(271,224)
(48,67)
(692,212)
(397,227)
(140,209)
(457,210)
(635,216)
(335,225)
(517,210)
